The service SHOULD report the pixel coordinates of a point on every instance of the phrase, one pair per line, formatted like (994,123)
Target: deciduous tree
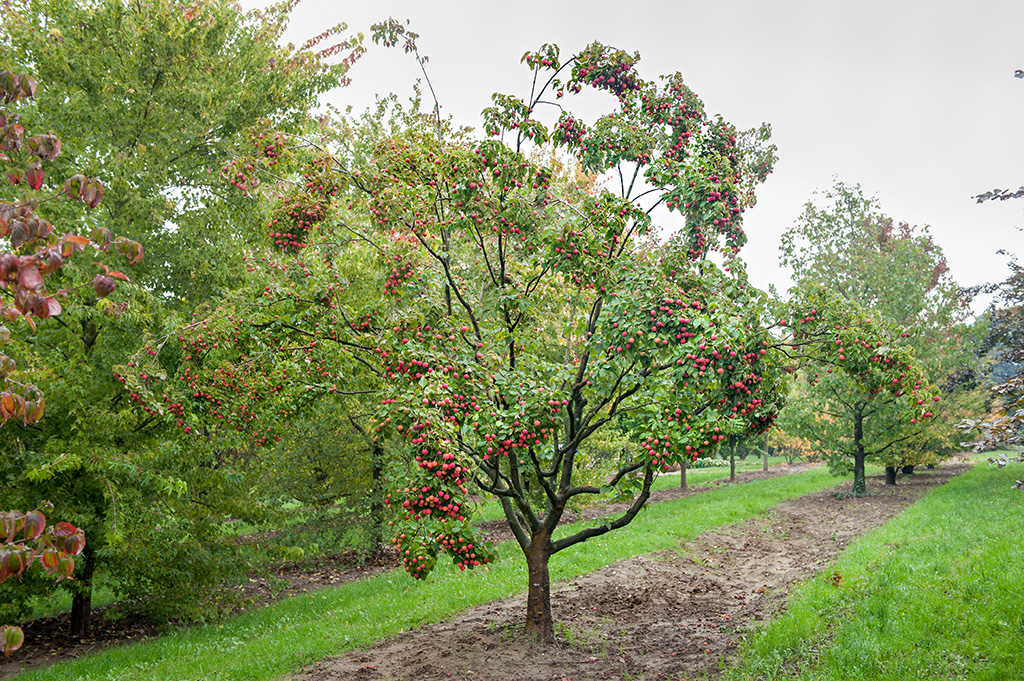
(900,277)
(151,96)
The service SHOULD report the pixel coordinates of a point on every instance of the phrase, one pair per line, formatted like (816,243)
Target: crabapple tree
(525,305)
(536,314)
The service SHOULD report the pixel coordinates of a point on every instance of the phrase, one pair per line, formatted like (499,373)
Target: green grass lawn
(272,641)
(937,593)
(489,509)
(702,476)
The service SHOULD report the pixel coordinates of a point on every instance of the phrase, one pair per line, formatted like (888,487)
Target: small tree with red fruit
(522,310)
(899,276)
(528,314)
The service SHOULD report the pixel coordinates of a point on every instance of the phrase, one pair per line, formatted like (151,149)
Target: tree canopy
(900,277)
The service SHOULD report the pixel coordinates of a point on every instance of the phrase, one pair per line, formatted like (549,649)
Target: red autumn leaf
(64,529)
(52,262)
(76,239)
(103,286)
(73,545)
(35,523)
(30,278)
(19,233)
(48,559)
(34,176)
(40,307)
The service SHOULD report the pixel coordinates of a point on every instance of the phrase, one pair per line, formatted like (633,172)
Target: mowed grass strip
(937,593)
(270,642)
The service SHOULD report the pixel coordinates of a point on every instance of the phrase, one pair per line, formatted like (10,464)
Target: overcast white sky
(914,100)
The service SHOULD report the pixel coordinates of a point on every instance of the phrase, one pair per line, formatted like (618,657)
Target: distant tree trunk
(765,466)
(682,473)
(732,458)
(81,599)
(539,624)
(929,466)
(377,497)
(908,470)
(890,475)
(860,486)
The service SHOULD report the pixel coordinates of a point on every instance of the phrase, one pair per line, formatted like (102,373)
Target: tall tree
(900,277)
(150,96)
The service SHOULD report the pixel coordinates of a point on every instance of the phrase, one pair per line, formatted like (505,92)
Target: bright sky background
(916,101)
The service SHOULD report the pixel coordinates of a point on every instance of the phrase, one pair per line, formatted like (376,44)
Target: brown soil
(47,639)
(669,615)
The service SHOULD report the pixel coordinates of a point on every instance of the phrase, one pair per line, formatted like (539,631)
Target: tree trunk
(860,486)
(890,475)
(908,470)
(930,466)
(682,473)
(539,624)
(732,459)
(81,600)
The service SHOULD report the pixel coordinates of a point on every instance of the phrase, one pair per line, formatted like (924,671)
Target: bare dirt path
(669,615)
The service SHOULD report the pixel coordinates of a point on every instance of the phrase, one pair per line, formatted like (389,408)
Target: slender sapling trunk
(732,459)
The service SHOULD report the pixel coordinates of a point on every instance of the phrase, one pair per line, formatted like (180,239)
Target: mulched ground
(594,613)
(669,615)
(47,639)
